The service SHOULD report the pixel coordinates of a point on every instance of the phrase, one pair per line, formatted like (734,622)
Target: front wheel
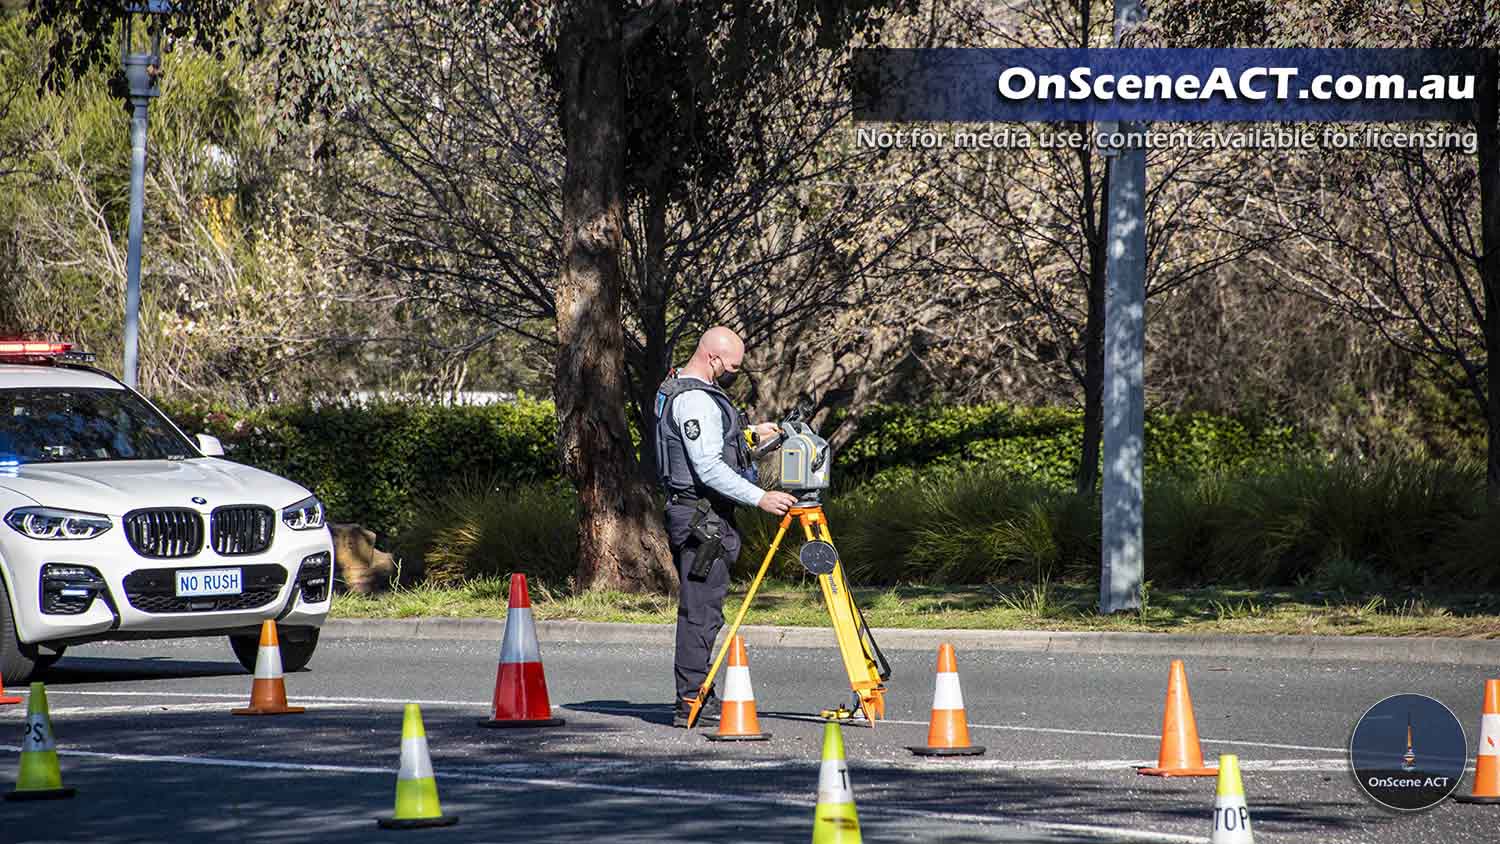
(18,662)
(45,660)
(295,652)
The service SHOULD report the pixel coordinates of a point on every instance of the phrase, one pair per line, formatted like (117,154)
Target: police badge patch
(690,429)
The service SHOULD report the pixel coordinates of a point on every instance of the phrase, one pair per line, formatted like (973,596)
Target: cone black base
(751,737)
(416,823)
(290,710)
(1469,798)
(42,794)
(540,722)
(971,750)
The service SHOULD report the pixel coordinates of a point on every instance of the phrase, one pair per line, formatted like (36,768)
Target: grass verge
(1043,606)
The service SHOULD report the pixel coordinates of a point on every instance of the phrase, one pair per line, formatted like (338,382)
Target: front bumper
(137,599)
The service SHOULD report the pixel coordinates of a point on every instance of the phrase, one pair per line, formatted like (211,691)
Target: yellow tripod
(866,674)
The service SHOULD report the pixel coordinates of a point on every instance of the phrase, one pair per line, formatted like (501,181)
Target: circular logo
(198,499)
(1408,752)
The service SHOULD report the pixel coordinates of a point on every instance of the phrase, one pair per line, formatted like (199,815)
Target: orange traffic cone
(1180,754)
(268,691)
(737,718)
(520,683)
(5,698)
(1487,762)
(948,729)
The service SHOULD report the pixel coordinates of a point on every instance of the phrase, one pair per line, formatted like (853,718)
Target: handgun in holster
(708,528)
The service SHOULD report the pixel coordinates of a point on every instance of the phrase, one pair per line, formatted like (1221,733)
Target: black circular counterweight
(818,557)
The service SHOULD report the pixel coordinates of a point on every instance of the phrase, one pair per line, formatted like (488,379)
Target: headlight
(47,523)
(306,514)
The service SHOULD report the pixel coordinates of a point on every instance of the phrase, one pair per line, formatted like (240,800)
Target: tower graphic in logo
(1409,761)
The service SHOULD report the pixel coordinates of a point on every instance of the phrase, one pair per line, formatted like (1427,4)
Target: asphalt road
(145,736)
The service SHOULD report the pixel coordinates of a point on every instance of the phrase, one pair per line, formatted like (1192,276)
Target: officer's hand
(776,502)
(766,429)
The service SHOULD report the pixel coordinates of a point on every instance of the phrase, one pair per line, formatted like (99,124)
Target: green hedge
(1354,528)
(1043,444)
(381,464)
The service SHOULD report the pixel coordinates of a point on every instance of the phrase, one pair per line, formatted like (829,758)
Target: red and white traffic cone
(948,729)
(268,690)
(520,684)
(737,718)
(5,698)
(1487,760)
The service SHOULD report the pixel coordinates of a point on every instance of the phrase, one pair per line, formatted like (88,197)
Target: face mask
(726,378)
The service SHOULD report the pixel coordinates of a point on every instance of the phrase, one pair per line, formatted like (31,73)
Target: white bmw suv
(117,526)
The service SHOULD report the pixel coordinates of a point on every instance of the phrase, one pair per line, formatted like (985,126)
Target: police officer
(703,460)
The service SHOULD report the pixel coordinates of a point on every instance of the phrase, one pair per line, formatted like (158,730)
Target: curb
(1389,649)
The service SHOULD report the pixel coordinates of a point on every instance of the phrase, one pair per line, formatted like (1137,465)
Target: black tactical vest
(673,469)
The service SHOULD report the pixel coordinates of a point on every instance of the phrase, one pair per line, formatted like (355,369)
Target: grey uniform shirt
(702,425)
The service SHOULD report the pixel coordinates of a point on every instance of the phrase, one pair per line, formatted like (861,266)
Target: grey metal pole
(140,74)
(1123,506)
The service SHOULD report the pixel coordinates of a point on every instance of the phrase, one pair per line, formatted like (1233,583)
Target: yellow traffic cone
(416,789)
(834,820)
(40,778)
(1231,815)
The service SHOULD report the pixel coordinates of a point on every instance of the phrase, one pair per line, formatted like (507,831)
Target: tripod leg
(765,565)
(864,675)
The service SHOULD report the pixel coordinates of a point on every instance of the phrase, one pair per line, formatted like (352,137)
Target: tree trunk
(1093,334)
(621,544)
(656,357)
(1487,103)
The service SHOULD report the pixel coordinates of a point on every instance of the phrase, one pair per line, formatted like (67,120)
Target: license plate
(194,582)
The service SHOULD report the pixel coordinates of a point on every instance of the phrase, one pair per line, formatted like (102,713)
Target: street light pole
(1124,437)
(142,75)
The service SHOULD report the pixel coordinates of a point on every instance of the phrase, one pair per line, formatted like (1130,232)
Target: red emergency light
(33,348)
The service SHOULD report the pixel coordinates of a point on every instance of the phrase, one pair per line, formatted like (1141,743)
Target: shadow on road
(72,671)
(651,713)
(207,776)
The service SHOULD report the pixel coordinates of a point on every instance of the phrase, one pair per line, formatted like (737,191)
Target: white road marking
(292,696)
(1028,729)
(1143,736)
(482,704)
(1113,833)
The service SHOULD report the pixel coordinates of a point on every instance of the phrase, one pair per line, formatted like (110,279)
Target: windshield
(56,425)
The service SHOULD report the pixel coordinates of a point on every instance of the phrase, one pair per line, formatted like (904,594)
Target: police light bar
(34,349)
(31,348)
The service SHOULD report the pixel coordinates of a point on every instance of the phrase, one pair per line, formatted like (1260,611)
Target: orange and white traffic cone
(737,718)
(948,729)
(1180,755)
(1487,761)
(268,691)
(5,698)
(520,684)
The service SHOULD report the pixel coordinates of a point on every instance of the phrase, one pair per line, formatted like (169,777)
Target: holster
(708,529)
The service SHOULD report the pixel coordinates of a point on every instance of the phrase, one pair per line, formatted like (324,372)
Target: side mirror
(210,446)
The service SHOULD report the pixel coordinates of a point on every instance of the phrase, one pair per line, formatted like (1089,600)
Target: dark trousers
(700,603)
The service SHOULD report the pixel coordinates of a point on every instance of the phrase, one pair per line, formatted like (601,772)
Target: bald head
(719,350)
(721,341)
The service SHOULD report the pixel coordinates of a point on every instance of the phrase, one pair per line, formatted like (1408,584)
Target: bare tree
(1028,224)
(1407,241)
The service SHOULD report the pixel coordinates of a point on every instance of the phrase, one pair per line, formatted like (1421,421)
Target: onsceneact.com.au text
(1255,83)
